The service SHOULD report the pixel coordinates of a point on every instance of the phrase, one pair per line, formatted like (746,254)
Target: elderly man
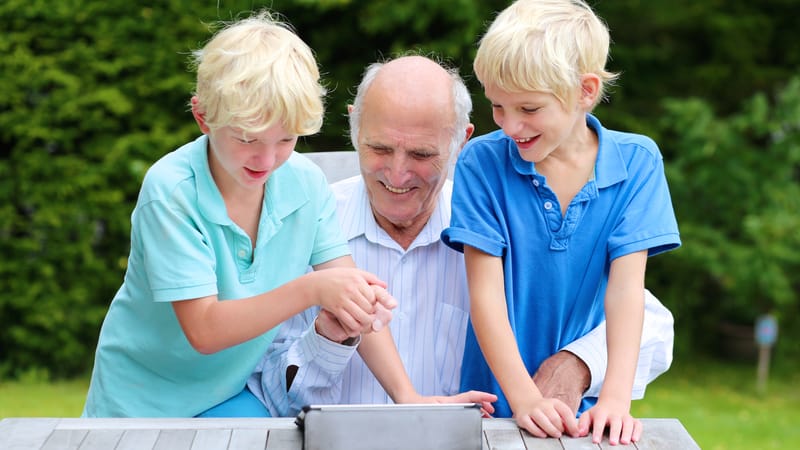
(409,119)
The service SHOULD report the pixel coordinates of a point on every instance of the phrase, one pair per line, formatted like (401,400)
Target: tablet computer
(388,426)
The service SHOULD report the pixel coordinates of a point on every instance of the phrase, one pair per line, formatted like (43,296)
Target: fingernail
(377,325)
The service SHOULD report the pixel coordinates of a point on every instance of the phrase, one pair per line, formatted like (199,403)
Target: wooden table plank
(174,440)
(101,439)
(22,434)
(136,439)
(65,440)
(207,439)
(665,434)
(248,439)
(584,443)
(284,439)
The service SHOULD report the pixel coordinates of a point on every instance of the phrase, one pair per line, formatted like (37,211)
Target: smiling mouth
(395,190)
(523,140)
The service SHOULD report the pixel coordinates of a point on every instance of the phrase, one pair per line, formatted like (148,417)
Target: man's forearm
(563,376)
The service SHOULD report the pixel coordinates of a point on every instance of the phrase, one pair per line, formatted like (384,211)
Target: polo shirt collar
(609,167)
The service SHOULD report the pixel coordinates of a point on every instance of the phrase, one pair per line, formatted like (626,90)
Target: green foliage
(92,93)
(734,182)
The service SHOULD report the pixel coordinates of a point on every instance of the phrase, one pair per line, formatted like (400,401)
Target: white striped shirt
(429,324)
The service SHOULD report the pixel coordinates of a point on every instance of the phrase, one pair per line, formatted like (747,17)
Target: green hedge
(93,92)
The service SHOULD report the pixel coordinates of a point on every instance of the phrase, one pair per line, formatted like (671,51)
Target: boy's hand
(622,427)
(545,417)
(351,295)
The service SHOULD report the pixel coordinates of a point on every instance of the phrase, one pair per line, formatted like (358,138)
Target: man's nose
(398,169)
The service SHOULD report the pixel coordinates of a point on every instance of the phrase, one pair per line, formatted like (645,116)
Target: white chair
(336,165)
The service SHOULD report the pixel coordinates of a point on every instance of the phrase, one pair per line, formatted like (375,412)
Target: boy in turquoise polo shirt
(221,237)
(556,216)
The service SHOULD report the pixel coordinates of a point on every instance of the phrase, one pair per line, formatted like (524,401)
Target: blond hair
(545,46)
(257,72)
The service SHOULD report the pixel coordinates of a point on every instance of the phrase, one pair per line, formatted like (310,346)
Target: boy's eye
(245,141)
(529,110)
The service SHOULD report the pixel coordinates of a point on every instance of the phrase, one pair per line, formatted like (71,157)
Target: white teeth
(522,141)
(396,190)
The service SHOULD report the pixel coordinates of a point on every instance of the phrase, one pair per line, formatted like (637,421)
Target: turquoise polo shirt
(184,246)
(555,265)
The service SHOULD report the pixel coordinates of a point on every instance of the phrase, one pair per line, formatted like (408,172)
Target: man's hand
(329,327)
(484,398)
(563,376)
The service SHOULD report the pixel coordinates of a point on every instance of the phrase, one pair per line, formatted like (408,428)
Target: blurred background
(93,92)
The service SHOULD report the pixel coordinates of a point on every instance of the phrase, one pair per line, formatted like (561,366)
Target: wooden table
(269,434)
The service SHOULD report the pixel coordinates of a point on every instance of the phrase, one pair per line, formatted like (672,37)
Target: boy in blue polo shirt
(222,234)
(556,216)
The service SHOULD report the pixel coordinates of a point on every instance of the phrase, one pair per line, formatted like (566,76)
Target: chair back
(336,165)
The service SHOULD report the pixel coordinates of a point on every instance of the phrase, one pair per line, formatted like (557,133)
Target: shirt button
(548,206)
(242,253)
(536,183)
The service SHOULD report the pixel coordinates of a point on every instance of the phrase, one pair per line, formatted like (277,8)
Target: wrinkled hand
(543,417)
(329,327)
(485,399)
(622,427)
(563,376)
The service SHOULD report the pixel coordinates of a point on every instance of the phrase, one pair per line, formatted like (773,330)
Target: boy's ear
(199,116)
(590,90)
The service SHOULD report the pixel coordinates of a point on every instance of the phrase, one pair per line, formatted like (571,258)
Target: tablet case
(455,426)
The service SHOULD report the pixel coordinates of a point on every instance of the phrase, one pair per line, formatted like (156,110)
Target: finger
(614,430)
(583,424)
(543,421)
(638,427)
(598,427)
(567,417)
(373,279)
(382,317)
(384,298)
(627,430)
(528,425)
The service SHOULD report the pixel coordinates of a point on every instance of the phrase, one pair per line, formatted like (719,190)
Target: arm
(579,369)
(301,367)
(345,291)
(624,305)
(541,416)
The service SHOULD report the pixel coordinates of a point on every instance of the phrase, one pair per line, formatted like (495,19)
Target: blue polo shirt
(184,246)
(556,266)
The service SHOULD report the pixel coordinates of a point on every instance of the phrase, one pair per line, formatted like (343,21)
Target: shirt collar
(609,167)
(285,192)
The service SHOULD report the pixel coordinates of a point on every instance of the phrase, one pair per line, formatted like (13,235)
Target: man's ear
(199,116)
(590,90)
(468,134)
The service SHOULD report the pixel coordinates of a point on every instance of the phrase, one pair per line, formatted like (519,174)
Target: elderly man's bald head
(410,82)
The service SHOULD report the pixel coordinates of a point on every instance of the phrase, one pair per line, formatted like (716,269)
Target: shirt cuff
(595,359)
(330,356)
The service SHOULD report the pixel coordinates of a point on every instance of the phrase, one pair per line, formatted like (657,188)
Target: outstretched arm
(624,305)
(540,416)
(578,370)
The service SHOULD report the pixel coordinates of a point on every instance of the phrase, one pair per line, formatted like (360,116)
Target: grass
(717,402)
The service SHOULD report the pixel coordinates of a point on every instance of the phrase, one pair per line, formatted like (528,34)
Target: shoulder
(173,170)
